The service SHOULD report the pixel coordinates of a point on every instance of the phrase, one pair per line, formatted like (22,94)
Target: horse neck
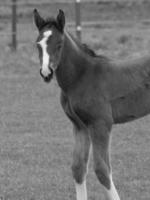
(72,64)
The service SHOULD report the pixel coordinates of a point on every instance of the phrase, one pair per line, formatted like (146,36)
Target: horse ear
(61,20)
(39,21)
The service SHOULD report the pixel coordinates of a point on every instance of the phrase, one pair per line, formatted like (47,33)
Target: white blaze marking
(112,194)
(81,191)
(46,57)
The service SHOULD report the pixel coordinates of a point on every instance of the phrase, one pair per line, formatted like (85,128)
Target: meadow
(35,135)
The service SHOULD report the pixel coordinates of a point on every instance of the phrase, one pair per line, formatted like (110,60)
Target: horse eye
(39,49)
(59,46)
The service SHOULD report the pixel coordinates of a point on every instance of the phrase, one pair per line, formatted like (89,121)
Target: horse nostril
(48,77)
(41,72)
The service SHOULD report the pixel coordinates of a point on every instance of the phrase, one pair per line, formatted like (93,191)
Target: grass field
(36,137)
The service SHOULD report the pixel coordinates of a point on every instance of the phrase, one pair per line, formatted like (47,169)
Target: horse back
(135,103)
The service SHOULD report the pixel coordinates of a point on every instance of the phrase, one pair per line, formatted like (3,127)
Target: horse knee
(79,171)
(103,176)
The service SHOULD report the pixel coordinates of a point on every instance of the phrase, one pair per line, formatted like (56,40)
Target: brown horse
(96,92)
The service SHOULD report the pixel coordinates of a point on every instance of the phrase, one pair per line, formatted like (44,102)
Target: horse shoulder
(71,114)
(83,113)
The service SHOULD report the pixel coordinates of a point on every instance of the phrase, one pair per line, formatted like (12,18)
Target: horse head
(49,42)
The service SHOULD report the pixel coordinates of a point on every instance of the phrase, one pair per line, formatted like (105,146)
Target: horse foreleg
(80,162)
(81,191)
(100,135)
(112,193)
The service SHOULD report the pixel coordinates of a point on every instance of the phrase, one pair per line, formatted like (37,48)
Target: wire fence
(36,2)
(15,6)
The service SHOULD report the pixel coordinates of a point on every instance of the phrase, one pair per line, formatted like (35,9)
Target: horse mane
(91,52)
(86,49)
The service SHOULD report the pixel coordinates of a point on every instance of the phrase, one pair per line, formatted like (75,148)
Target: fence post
(14,25)
(78,18)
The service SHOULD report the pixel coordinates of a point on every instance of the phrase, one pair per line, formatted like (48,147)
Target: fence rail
(23,3)
(15,4)
(14,24)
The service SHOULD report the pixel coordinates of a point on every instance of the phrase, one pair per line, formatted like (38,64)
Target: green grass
(36,137)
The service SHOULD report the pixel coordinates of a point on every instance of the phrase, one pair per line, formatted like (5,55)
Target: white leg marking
(46,57)
(112,194)
(81,191)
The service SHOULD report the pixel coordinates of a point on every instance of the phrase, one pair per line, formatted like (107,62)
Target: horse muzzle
(47,78)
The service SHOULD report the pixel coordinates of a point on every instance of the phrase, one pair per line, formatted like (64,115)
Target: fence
(14,7)
(16,4)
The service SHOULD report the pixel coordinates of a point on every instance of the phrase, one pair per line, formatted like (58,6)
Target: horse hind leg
(100,136)
(80,162)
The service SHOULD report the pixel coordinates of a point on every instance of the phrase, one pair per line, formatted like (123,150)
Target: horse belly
(132,106)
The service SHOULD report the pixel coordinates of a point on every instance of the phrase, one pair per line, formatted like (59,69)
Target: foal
(95,93)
